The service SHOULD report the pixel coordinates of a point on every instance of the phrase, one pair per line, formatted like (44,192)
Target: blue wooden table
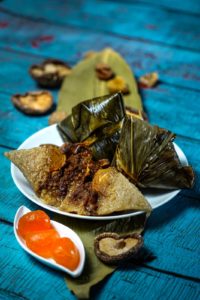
(151,35)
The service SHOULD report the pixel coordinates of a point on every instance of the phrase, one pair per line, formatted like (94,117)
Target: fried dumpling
(117,193)
(37,163)
(58,172)
(67,177)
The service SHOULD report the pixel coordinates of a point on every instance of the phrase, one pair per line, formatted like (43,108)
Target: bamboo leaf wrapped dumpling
(95,123)
(146,155)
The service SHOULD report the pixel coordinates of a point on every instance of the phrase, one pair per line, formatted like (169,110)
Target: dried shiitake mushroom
(33,103)
(50,73)
(104,71)
(118,84)
(112,248)
(149,80)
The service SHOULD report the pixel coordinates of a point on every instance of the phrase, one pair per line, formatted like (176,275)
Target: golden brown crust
(67,177)
(116,193)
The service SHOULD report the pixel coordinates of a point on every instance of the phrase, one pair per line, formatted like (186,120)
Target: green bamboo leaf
(146,155)
(95,270)
(83,83)
(96,123)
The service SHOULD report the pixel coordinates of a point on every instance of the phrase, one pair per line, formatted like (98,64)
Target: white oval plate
(63,231)
(50,135)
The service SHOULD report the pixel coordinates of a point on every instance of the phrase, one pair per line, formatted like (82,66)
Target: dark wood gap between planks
(86,28)
(187,138)
(30,54)
(159,6)
(13,295)
(3,221)
(177,275)
(7,147)
(176,85)
(194,197)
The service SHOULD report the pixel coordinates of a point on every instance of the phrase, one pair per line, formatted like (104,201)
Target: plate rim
(67,214)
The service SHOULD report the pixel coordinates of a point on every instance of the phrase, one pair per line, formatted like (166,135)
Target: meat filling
(74,178)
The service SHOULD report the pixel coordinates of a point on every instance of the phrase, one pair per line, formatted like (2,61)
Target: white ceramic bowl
(63,231)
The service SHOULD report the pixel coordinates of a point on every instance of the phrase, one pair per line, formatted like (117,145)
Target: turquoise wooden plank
(172,231)
(16,124)
(132,20)
(165,106)
(14,72)
(173,236)
(187,6)
(191,149)
(147,284)
(175,66)
(173,108)
(24,278)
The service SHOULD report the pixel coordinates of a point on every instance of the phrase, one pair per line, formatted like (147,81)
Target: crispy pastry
(67,177)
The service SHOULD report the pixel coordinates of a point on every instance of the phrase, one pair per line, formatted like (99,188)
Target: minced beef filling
(74,179)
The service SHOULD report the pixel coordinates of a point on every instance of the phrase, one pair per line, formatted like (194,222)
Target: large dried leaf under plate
(146,155)
(95,270)
(83,83)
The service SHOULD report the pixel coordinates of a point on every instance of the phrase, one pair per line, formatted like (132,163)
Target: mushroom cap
(33,103)
(50,73)
(112,248)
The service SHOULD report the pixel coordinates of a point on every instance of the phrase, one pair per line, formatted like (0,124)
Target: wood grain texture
(16,124)
(165,107)
(151,35)
(178,5)
(173,236)
(175,66)
(147,284)
(24,278)
(172,231)
(176,109)
(132,20)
